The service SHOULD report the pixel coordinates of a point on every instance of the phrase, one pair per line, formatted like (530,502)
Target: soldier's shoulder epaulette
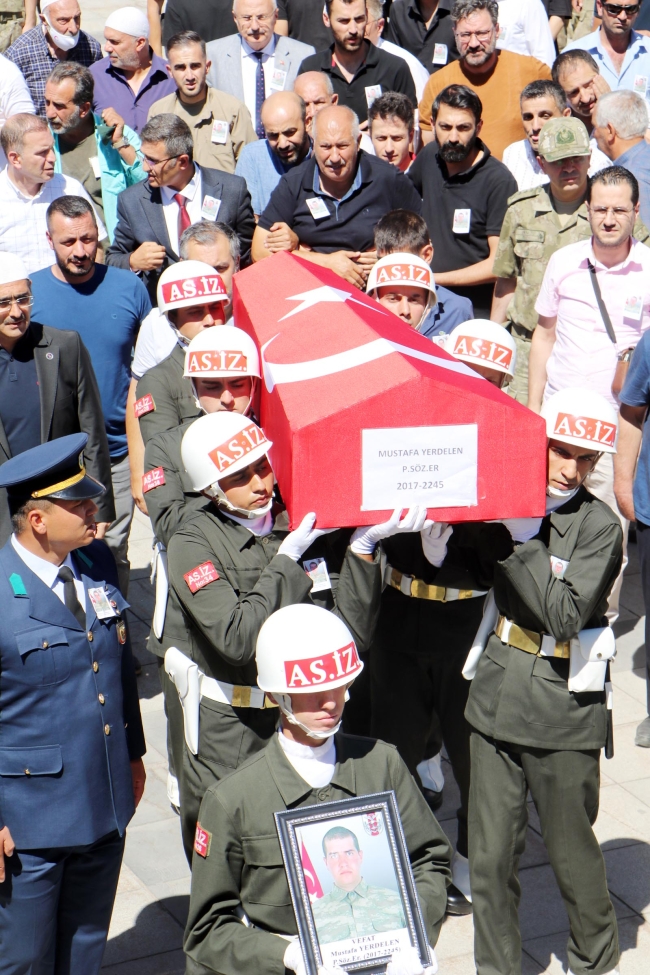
(523,195)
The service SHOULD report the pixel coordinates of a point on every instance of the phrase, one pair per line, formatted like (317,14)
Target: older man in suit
(176,194)
(255,62)
(47,388)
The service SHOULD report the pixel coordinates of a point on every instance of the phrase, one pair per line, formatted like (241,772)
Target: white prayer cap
(47,3)
(12,268)
(128,20)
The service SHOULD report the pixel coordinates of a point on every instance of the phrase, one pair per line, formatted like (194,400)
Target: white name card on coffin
(339,371)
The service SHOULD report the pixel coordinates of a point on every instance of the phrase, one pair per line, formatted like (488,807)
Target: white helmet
(481,342)
(302,649)
(218,445)
(401,268)
(190,283)
(221,352)
(582,418)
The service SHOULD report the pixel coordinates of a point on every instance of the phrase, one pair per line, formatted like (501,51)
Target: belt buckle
(268,703)
(562,650)
(241,696)
(465,593)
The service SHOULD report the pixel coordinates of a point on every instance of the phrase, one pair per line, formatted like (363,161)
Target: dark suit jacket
(70,403)
(140,218)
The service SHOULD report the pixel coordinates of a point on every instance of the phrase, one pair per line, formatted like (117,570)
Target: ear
(611,133)
(169,69)
(381,23)
(326,19)
(479,126)
(208,65)
(427,253)
(49,239)
(36,521)
(335,98)
(13,157)
(85,109)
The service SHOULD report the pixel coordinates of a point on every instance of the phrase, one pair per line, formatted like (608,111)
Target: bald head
(315,89)
(336,147)
(283,118)
(335,119)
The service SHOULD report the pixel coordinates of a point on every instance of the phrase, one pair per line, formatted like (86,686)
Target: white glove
(364,540)
(298,541)
(522,529)
(434,542)
(406,961)
(295,962)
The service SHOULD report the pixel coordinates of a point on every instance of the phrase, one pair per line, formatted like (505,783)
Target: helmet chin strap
(284,703)
(217,494)
(553,492)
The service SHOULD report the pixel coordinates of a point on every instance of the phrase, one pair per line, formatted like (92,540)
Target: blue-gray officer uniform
(69,726)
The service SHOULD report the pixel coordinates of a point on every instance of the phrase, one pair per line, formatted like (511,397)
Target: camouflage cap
(563,137)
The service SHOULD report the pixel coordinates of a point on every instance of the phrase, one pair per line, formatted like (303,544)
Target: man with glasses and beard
(621,53)
(465,192)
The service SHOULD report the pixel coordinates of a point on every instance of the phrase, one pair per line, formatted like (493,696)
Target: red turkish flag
(314,888)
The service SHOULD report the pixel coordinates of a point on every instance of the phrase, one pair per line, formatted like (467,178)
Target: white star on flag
(310,298)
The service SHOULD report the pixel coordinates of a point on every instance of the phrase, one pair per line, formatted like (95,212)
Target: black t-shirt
(484,191)
(351,222)
(305,19)
(211,19)
(562,8)
(434,47)
(20,400)
(385,70)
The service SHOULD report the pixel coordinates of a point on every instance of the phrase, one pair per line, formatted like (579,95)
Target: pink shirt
(583,354)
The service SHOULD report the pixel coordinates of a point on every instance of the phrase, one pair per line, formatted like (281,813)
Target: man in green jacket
(538,702)
(238,869)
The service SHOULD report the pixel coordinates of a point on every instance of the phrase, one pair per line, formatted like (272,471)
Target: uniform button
(95,666)
(113,604)
(101,699)
(322,795)
(265,541)
(90,637)
(45,644)
(27,772)
(107,729)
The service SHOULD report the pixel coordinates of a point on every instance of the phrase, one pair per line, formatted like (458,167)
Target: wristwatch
(120,145)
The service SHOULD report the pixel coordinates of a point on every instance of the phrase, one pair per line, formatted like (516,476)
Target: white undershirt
(314,765)
(47,571)
(258,526)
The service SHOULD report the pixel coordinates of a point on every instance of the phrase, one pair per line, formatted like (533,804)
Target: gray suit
(225,54)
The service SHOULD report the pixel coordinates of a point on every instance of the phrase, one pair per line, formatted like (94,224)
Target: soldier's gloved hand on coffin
(435,536)
(364,540)
(406,961)
(298,541)
(294,961)
(522,529)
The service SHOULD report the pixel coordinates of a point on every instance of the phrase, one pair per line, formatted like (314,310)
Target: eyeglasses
(260,18)
(614,9)
(159,162)
(23,301)
(480,35)
(601,212)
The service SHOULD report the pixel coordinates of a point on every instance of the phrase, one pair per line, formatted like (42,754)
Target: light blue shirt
(635,70)
(637,160)
(261,169)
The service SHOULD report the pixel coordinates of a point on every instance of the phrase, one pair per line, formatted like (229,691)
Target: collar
(356,182)
(635,44)
(292,787)
(257,526)
(371,58)
(17,192)
(414,11)
(544,203)
(158,67)
(268,51)
(468,173)
(640,149)
(630,259)
(361,890)
(562,518)
(46,571)
(319,753)
(189,192)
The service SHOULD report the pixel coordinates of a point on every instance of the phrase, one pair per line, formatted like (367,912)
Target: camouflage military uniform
(342,914)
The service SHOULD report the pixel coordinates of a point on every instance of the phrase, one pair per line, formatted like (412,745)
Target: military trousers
(518,386)
(564,786)
(227,737)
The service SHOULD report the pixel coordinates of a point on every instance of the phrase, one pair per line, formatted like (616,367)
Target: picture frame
(324,864)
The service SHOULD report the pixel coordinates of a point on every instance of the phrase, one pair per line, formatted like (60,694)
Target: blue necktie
(260,94)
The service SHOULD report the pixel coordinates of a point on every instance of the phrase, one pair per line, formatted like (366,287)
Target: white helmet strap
(284,703)
(216,493)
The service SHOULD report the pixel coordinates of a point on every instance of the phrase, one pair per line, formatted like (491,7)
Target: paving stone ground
(147,928)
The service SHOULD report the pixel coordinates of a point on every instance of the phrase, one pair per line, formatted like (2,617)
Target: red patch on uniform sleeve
(143,406)
(153,479)
(202,841)
(201,576)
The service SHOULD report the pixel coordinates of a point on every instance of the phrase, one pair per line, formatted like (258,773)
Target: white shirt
(193,193)
(524,29)
(249,72)
(419,73)
(314,765)
(524,165)
(22,218)
(14,96)
(156,340)
(47,572)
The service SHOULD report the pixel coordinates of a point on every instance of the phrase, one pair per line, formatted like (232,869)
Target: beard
(62,128)
(455,152)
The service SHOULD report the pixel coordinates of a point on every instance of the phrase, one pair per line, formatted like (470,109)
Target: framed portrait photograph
(351,883)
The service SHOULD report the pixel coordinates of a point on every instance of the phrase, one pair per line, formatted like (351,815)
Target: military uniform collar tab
(291,786)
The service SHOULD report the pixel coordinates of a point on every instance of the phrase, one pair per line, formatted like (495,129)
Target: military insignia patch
(201,576)
(153,479)
(373,823)
(121,631)
(202,841)
(143,406)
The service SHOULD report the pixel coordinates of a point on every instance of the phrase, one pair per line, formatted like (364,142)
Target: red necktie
(183,216)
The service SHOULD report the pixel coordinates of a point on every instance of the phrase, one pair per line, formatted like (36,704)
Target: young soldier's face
(343,861)
(250,488)
(405,301)
(568,465)
(320,711)
(230,394)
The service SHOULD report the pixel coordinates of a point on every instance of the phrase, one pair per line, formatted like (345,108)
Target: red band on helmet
(585,428)
(206,287)
(228,453)
(483,349)
(212,361)
(403,273)
(318,670)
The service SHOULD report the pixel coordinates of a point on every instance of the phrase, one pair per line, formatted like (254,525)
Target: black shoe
(434,799)
(643,734)
(137,666)
(457,903)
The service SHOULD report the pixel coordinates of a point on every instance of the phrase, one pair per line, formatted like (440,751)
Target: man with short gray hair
(621,121)
(317,91)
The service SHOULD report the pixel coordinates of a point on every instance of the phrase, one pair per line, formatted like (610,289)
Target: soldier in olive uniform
(538,222)
(537,705)
(238,867)
(230,566)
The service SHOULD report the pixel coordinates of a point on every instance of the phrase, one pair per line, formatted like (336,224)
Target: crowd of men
(481,169)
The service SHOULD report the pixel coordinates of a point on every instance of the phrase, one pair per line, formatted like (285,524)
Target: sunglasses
(614,9)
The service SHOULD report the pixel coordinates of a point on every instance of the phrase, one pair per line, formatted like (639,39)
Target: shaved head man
(316,91)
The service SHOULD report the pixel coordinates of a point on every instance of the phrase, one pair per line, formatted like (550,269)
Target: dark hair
(84,83)
(614,176)
(172,131)
(462,9)
(328,3)
(19,508)
(393,104)
(185,37)
(458,96)
(207,232)
(401,230)
(545,89)
(339,833)
(70,207)
(572,57)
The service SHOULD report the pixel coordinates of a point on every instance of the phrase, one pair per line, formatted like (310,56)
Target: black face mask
(454,152)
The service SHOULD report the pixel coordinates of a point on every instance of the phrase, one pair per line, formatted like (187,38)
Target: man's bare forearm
(504,289)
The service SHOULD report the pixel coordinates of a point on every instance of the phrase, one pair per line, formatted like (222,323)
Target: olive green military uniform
(244,868)
(172,399)
(531,232)
(217,627)
(421,644)
(343,914)
(530,732)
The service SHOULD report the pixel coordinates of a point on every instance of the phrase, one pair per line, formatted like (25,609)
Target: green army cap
(563,137)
